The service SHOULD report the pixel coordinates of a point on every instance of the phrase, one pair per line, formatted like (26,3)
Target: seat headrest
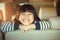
(46,12)
(55,22)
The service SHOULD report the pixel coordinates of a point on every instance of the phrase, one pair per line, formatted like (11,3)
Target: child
(26,19)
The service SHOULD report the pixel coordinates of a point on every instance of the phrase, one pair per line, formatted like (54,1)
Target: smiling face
(26,18)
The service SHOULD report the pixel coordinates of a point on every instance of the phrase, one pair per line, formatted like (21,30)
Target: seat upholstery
(33,35)
(50,14)
(46,12)
(55,22)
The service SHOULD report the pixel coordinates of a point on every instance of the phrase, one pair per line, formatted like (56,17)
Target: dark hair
(28,8)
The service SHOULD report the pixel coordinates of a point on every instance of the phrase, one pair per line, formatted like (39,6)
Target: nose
(26,16)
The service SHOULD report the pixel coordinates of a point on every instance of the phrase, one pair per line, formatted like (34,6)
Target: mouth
(26,20)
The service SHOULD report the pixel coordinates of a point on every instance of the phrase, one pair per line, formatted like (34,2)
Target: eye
(30,14)
(23,14)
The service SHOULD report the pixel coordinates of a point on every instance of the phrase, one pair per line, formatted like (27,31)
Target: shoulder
(43,21)
(7,23)
(7,26)
(45,24)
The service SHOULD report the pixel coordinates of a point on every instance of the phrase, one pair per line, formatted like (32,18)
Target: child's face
(26,18)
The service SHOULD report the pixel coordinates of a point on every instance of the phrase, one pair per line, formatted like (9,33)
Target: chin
(26,24)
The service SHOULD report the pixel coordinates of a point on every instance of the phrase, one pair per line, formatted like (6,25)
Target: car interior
(48,10)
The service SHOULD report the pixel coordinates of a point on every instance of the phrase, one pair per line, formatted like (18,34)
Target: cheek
(20,18)
(32,18)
